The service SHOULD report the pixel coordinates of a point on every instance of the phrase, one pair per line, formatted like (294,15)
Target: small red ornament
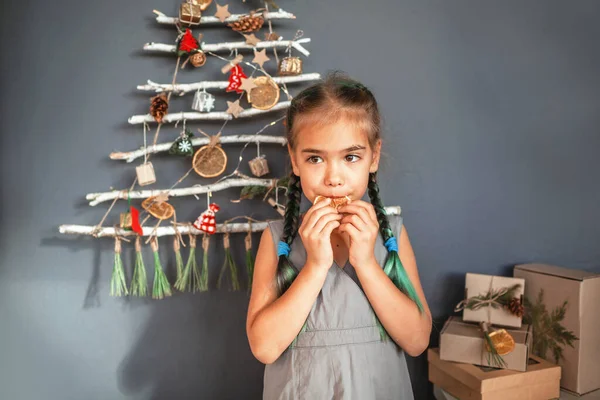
(206,221)
(235,79)
(135,221)
(188,42)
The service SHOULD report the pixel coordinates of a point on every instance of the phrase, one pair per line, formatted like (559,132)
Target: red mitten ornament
(188,43)
(235,79)
(206,220)
(135,221)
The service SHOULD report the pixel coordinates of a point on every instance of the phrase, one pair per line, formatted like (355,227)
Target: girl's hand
(360,223)
(315,231)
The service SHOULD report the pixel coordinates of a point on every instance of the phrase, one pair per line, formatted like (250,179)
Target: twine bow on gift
(494,298)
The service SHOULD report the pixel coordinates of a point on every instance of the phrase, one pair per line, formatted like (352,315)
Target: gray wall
(491,122)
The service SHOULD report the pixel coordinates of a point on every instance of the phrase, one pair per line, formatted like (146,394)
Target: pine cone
(159,107)
(515,307)
(248,23)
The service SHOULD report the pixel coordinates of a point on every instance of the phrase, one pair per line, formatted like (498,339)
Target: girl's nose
(333,178)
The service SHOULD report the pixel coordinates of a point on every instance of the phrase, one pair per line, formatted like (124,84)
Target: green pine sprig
(548,332)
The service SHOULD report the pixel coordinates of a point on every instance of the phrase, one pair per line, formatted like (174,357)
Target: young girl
(332,312)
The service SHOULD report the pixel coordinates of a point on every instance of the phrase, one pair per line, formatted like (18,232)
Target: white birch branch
(183,88)
(97,198)
(209,20)
(266,44)
(130,156)
(184,230)
(196,116)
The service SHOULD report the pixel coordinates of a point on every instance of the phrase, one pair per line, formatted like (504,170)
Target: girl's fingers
(351,230)
(329,227)
(324,220)
(364,210)
(315,214)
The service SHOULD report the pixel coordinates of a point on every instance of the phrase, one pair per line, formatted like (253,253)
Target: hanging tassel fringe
(229,264)
(204,274)
(161,287)
(139,283)
(249,259)
(118,285)
(190,279)
(178,259)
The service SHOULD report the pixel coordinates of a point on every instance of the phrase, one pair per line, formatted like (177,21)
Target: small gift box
(190,13)
(465,342)
(496,300)
(145,174)
(541,381)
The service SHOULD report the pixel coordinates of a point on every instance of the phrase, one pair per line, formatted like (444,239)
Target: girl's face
(334,160)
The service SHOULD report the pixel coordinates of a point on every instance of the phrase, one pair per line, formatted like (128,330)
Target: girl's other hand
(315,231)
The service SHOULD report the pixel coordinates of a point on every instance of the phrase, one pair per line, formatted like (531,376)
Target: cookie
(335,202)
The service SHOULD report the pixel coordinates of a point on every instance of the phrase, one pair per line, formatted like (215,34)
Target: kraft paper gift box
(479,288)
(570,301)
(464,342)
(541,381)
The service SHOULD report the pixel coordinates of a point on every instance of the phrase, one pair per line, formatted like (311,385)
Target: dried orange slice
(157,208)
(503,342)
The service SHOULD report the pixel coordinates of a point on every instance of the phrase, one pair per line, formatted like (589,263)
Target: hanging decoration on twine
(145,172)
(235,79)
(161,287)
(203,101)
(206,221)
(118,284)
(187,44)
(265,95)
(190,12)
(259,165)
(182,146)
(289,66)
(210,160)
(229,264)
(158,207)
(139,282)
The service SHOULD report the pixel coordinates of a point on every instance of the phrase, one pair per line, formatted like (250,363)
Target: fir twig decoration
(161,287)
(548,332)
(249,259)
(139,283)
(118,286)
(250,192)
(493,358)
(190,279)
(229,263)
(495,298)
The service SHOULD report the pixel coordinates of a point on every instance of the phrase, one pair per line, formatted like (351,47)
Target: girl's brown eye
(313,159)
(350,158)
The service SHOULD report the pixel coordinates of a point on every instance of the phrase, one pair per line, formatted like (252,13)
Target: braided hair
(338,96)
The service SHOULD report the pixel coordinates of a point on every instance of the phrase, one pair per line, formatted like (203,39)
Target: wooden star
(161,197)
(222,12)
(260,57)
(247,84)
(234,108)
(252,39)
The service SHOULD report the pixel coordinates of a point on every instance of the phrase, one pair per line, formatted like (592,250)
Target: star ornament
(247,84)
(252,39)
(260,57)
(234,108)
(222,12)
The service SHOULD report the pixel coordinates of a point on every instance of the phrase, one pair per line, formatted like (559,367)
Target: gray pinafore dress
(340,355)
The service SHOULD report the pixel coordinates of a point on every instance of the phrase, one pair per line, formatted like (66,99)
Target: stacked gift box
(510,362)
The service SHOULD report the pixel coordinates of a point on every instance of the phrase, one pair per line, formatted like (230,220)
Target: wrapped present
(464,342)
(541,380)
(562,305)
(496,300)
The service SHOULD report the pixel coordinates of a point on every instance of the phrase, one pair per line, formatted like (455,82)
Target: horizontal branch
(183,88)
(97,198)
(130,156)
(198,116)
(184,230)
(209,20)
(266,44)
